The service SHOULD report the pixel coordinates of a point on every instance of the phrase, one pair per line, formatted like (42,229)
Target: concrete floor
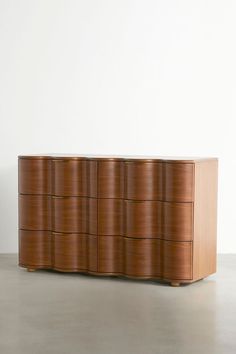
(48,312)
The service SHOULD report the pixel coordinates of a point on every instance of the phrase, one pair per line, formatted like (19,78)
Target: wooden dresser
(141,217)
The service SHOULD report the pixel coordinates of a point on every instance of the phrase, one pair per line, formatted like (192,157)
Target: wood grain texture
(205,219)
(34,176)
(110,254)
(69,177)
(177,260)
(110,217)
(35,212)
(69,252)
(110,179)
(143,219)
(146,218)
(92,253)
(92,216)
(178,221)
(69,214)
(92,173)
(35,248)
(143,180)
(142,257)
(179,182)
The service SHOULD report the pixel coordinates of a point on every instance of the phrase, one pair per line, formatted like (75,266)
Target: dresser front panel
(120,216)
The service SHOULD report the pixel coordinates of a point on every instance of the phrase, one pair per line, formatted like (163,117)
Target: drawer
(110,254)
(143,180)
(179,182)
(92,253)
(110,179)
(143,219)
(92,171)
(178,221)
(35,212)
(70,251)
(93,216)
(110,217)
(177,260)
(69,214)
(143,257)
(35,248)
(34,176)
(69,177)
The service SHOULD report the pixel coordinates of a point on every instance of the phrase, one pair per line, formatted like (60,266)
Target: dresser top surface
(182,159)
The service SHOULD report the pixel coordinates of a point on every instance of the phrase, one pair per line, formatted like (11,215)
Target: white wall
(118,77)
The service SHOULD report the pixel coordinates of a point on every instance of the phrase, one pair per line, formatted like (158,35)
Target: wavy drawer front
(110,179)
(110,254)
(92,253)
(70,252)
(143,219)
(34,176)
(110,217)
(35,248)
(69,177)
(177,260)
(34,212)
(92,175)
(69,214)
(179,181)
(178,221)
(143,180)
(143,257)
(92,216)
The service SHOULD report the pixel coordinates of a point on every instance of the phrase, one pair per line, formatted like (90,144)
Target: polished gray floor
(48,312)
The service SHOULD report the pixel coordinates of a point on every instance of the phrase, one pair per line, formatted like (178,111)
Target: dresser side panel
(205,219)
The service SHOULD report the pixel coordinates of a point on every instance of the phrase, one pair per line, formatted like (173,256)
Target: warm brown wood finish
(92,253)
(143,180)
(110,179)
(178,221)
(143,257)
(69,177)
(35,249)
(69,214)
(70,251)
(110,217)
(205,226)
(143,219)
(179,182)
(110,254)
(35,176)
(35,212)
(177,260)
(137,217)
(92,170)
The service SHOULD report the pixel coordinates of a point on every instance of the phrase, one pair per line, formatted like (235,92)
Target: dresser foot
(174,283)
(31,269)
